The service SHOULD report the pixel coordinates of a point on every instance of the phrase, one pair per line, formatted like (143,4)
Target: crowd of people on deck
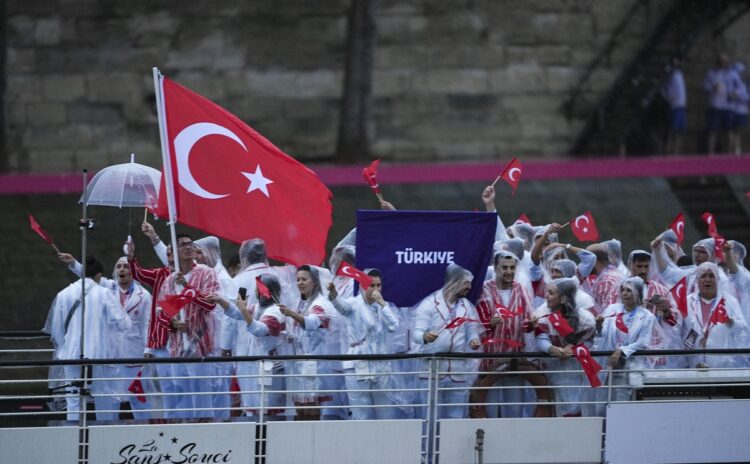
(609,302)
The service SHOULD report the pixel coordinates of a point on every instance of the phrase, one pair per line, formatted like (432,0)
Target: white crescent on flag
(583,216)
(347,270)
(680,226)
(581,353)
(511,172)
(184,142)
(190,293)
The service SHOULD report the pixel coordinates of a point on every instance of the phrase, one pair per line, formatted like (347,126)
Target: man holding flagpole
(192,330)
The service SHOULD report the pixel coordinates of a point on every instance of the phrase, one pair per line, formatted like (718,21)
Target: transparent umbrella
(129,185)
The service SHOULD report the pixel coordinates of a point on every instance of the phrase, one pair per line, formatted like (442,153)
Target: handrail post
(262,391)
(432,412)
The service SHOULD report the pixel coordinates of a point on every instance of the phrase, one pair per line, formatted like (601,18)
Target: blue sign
(412,249)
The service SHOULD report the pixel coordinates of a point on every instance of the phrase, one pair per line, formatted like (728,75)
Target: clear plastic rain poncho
(640,325)
(211,251)
(669,239)
(669,272)
(613,247)
(707,244)
(252,251)
(717,334)
(522,231)
(328,338)
(552,254)
(455,278)
(567,269)
(345,250)
(539,231)
(741,279)
(565,373)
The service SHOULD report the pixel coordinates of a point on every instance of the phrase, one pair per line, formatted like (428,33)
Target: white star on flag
(258,182)
(585,229)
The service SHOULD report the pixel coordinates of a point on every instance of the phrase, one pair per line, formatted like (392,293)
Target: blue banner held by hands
(413,248)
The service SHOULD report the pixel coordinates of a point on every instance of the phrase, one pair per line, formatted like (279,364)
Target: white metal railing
(415,388)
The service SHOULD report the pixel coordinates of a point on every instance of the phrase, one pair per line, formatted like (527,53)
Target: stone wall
(461,78)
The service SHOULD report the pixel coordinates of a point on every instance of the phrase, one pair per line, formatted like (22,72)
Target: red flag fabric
(678,227)
(505,313)
(679,293)
(524,219)
(512,174)
(172,304)
(370,173)
(262,288)
(560,324)
(136,388)
(457,322)
(719,316)
(39,231)
(590,367)
(584,228)
(719,242)
(710,221)
(620,323)
(232,182)
(347,270)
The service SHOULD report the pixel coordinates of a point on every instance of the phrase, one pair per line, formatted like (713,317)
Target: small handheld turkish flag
(230,181)
(512,174)
(590,367)
(719,316)
(370,173)
(584,228)
(524,219)
(679,293)
(678,227)
(172,304)
(136,388)
(710,221)
(36,227)
(560,324)
(506,313)
(620,324)
(263,290)
(347,270)
(458,322)
(719,242)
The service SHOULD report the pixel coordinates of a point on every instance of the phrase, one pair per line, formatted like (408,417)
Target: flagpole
(169,187)
(165,158)
(83,226)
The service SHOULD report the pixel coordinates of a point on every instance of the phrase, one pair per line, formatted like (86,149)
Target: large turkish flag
(232,182)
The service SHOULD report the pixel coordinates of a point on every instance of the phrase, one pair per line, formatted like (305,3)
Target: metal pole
(82,432)
(167,163)
(262,390)
(609,386)
(479,447)
(432,403)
